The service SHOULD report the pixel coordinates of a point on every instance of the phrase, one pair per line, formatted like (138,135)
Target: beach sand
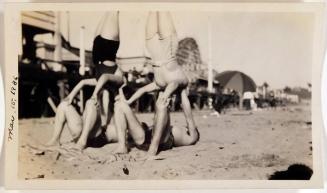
(237,145)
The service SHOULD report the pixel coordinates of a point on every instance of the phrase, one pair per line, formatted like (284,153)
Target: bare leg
(161,121)
(171,87)
(111,132)
(188,115)
(125,119)
(121,129)
(135,128)
(165,24)
(108,27)
(105,119)
(66,113)
(151,25)
(189,135)
(91,119)
(59,124)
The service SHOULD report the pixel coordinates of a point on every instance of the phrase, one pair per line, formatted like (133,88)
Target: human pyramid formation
(107,113)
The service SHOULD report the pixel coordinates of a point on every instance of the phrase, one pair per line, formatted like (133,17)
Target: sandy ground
(237,145)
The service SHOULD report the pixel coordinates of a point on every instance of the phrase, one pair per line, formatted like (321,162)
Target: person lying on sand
(168,74)
(125,128)
(108,79)
(126,123)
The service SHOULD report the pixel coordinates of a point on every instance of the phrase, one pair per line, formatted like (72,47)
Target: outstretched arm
(79,86)
(145,89)
(104,78)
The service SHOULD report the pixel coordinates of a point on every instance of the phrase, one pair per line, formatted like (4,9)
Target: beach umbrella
(236,80)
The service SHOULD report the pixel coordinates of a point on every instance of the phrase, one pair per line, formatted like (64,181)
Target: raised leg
(152,25)
(126,119)
(160,124)
(171,87)
(121,128)
(190,134)
(165,24)
(105,118)
(66,113)
(91,120)
(188,114)
(134,126)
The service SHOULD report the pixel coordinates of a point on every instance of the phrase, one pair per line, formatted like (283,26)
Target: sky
(269,47)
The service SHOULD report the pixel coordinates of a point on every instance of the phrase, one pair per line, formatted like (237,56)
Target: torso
(169,73)
(162,50)
(163,53)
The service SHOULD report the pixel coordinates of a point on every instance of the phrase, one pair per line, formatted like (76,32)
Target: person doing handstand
(168,76)
(98,109)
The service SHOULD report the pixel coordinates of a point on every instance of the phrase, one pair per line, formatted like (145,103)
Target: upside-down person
(108,78)
(161,38)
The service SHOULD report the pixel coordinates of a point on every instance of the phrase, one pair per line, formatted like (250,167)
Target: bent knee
(91,103)
(122,106)
(75,135)
(118,106)
(139,140)
(195,138)
(62,106)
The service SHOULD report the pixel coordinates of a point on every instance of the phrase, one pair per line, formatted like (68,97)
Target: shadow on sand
(293,172)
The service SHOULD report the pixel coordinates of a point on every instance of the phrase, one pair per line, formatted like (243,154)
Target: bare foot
(79,146)
(152,152)
(121,150)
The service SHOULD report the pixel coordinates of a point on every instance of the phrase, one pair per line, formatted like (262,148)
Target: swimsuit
(163,58)
(162,50)
(104,50)
(103,69)
(168,144)
(99,140)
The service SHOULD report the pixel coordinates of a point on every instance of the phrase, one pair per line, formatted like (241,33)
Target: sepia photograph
(164,94)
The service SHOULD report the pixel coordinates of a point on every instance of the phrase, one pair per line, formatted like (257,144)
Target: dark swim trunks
(103,69)
(98,141)
(168,144)
(104,49)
